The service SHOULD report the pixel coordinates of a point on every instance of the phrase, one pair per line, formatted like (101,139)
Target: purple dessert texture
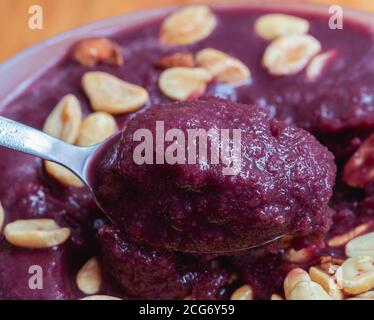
(152,274)
(283,187)
(19,280)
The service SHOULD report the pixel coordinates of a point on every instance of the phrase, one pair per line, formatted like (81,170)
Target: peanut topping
(2,217)
(275,296)
(110,94)
(89,277)
(294,277)
(243,293)
(35,233)
(274,25)
(90,52)
(223,67)
(318,64)
(299,256)
(356,275)
(181,83)
(64,123)
(299,286)
(97,127)
(65,119)
(361,246)
(364,296)
(342,239)
(187,25)
(62,175)
(308,290)
(176,60)
(327,282)
(359,169)
(100,297)
(288,55)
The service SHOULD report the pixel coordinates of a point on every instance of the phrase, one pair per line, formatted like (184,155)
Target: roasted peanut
(288,55)
(223,67)
(62,175)
(274,25)
(299,256)
(342,239)
(187,25)
(318,64)
(356,275)
(245,292)
(90,52)
(308,290)
(65,120)
(293,277)
(327,282)
(361,246)
(110,94)
(364,296)
(89,277)
(2,217)
(359,169)
(183,59)
(97,127)
(181,83)
(35,233)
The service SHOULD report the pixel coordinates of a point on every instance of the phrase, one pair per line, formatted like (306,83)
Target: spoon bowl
(80,160)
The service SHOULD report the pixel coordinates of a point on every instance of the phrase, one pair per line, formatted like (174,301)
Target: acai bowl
(302,95)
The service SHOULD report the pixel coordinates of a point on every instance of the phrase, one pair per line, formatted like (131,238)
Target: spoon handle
(19,137)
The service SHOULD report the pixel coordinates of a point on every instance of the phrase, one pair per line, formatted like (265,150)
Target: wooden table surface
(61,15)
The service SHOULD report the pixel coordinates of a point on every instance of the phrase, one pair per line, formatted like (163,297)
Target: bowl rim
(264,4)
(126,21)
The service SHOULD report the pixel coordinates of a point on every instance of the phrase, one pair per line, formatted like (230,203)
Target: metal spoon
(19,137)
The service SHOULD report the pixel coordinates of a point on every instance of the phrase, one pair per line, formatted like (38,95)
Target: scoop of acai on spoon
(282,185)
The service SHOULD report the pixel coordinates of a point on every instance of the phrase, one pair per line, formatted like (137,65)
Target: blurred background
(61,15)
